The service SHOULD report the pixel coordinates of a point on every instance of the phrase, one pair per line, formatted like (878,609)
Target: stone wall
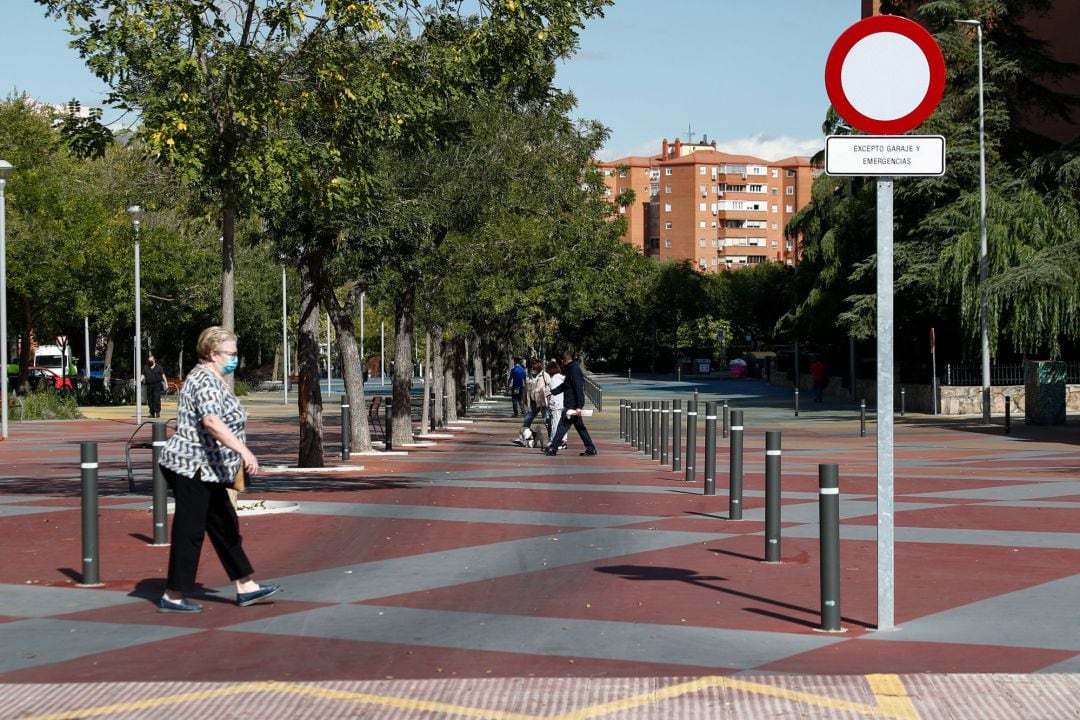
(953,400)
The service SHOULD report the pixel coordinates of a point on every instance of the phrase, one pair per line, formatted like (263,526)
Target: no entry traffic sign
(885,75)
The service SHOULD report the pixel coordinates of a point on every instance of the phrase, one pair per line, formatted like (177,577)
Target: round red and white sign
(885,75)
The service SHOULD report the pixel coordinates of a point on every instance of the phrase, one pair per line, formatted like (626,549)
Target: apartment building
(718,210)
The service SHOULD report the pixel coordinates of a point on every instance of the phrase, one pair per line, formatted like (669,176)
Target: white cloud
(770,147)
(763,146)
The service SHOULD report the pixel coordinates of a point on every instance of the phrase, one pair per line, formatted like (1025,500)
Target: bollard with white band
(676,435)
(735,474)
(346,429)
(862,418)
(727,421)
(655,429)
(665,430)
(829,524)
(88,465)
(710,448)
(691,439)
(161,497)
(796,402)
(772,496)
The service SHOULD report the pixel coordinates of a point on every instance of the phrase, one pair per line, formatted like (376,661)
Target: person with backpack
(516,382)
(538,391)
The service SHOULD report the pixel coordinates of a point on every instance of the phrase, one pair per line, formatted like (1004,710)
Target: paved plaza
(474,578)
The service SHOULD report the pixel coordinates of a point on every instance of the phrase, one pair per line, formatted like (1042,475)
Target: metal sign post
(871,51)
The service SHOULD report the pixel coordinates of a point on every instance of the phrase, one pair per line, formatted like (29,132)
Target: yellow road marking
(892,696)
(154,702)
(889,692)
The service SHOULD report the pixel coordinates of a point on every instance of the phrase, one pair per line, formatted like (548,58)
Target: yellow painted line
(892,700)
(118,708)
(892,696)
(734,684)
(402,703)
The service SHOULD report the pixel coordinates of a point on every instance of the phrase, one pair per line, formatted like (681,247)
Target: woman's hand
(251,463)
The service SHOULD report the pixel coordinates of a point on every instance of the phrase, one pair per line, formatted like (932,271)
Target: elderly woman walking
(200,462)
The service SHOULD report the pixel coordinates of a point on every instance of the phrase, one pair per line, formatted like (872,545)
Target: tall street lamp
(136,214)
(983,262)
(5,173)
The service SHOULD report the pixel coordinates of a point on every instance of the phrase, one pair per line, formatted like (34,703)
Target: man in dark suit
(573,391)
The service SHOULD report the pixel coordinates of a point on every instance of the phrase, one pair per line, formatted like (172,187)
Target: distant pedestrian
(153,376)
(200,461)
(538,388)
(819,374)
(516,382)
(554,401)
(573,392)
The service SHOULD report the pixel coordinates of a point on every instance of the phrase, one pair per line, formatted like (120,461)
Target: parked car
(42,375)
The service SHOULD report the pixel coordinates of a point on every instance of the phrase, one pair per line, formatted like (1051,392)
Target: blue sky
(749,73)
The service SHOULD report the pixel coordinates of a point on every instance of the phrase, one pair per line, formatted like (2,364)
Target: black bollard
(647,426)
(772,496)
(655,429)
(903,400)
(862,418)
(676,435)
(710,448)
(622,419)
(691,439)
(627,376)
(639,439)
(665,430)
(726,422)
(829,523)
(431,414)
(88,463)
(796,402)
(161,491)
(632,437)
(346,429)
(388,421)
(1008,414)
(735,472)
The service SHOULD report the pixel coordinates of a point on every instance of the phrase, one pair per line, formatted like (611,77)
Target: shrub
(241,388)
(49,405)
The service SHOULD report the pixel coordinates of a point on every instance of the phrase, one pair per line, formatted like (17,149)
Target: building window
(775,209)
(667,242)
(790,173)
(703,171)
(701,224)
(701,207)
(714,223)
(774,243)
(667,189)
(667,171)
(757,188)
(701,242)
(775,172)
(789,209)
(667,207)
(775,191)
(790,190)
(622,173)
(667,225)
(774,226)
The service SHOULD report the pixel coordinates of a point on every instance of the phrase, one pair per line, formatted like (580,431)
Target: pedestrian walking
(820,375)
(573,392)
(200,461)
(153,376)
(516,382)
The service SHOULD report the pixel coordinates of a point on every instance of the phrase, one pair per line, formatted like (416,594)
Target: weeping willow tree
(1032,209)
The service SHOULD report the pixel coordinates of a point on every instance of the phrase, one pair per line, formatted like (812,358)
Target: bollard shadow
(71,573)
(647,572)
(142,538)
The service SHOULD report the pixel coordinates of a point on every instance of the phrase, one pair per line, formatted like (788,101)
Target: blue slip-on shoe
(168,606)
(245,599)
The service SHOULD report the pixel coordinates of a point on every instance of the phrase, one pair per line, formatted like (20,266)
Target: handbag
(238,483)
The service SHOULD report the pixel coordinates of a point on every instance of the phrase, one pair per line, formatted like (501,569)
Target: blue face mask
(230,367)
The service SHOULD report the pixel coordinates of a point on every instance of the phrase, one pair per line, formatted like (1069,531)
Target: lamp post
(284,339)
(983,261)
(136,214)
(5,173)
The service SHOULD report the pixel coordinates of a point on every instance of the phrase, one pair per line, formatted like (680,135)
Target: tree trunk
(403,370)
(450,379)
(425,403)
(437,387)
(309,394)
(478,367)
(351,367)
(110,346)
(228,232)
(461,376)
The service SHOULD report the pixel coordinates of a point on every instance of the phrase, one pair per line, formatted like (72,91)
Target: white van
(50,356)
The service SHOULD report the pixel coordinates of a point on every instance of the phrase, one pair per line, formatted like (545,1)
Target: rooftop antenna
(689,134)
